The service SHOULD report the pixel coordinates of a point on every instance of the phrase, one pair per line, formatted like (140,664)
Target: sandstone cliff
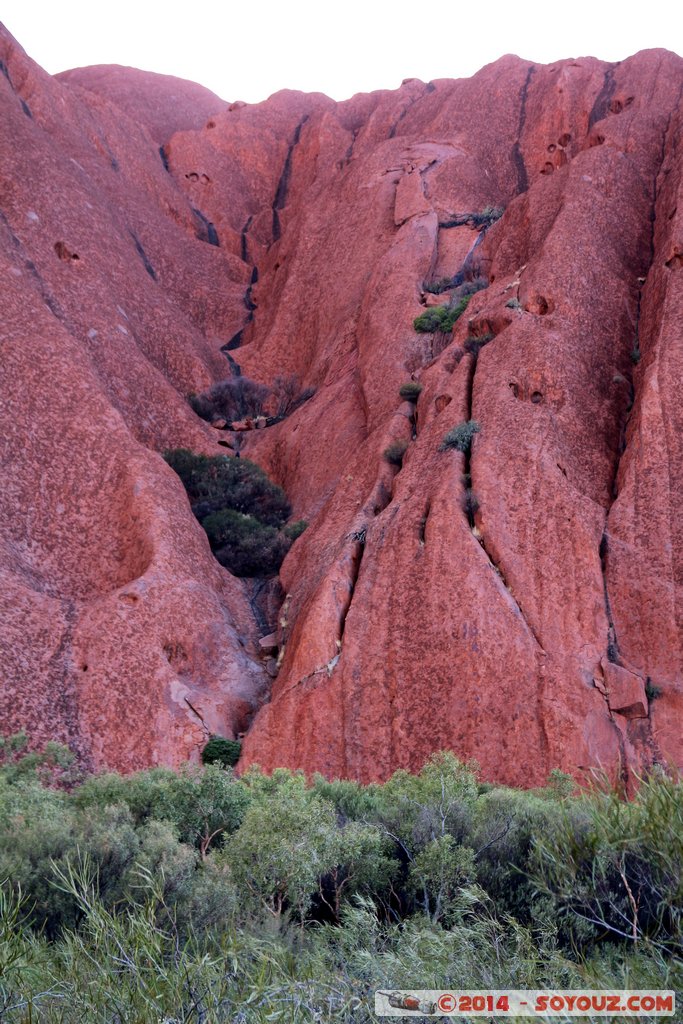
(538,626)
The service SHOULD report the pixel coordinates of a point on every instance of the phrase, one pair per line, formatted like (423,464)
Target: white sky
(248,50)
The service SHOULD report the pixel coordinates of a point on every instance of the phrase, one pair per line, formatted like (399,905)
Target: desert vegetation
(197,896)
(242,511)
(239,398)
(459,437)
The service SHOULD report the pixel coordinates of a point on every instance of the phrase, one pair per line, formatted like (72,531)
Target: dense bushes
(242,511)
(440,318)
(231,399)
(239,397)
(197,896)
(221,751)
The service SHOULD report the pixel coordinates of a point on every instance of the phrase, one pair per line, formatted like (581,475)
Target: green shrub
(221,751)
(245,545)
(395,452)
(294,530)
(475,345)
(433,319)
(486,217)
(241,510)
(437,287)
(460,437)
(440,318)
(215,482)
(513,304)
(411,390)
(174,895)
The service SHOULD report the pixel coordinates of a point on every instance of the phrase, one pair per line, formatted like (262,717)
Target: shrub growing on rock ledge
(221,751)
(411,390)
(440,318)
(460,437)
(241,509)
(244,545)
(394,452)
(215,482)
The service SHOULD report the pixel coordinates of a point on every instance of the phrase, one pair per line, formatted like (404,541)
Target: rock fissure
(517,156)
(283,184)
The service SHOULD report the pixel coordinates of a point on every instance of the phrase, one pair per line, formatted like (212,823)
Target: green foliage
(222,752)
(242,511)
(411,390)
(440,318)
(286,841)
(244,545)
(486,217)
(216,482)
(459,438)
(616,867)
(194,896)
(395,452)
(513,304)
(438,874)
(474,344)
(294,530)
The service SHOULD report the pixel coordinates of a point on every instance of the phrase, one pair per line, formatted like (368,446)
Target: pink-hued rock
(119,632)
(162,103)
(519,604)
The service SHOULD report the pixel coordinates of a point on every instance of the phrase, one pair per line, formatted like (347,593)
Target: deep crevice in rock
(601,105)
(206,231)
(517,157)
(143,256)
(283,184)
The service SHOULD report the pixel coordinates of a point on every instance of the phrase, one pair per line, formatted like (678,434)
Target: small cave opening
(64,253)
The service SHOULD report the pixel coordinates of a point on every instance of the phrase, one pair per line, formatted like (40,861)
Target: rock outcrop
(521,602)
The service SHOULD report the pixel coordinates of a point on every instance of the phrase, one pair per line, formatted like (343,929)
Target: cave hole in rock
(210,124)
(675,261)
(192,176)
(552,147)
(539,305)
(596,140)
(564,140)
(547,168)
(175,654)
(536,397)
(84,668)
(514,388)
(673,213)
(64,253)
(441,402)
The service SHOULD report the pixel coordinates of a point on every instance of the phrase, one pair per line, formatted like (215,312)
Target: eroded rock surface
(519,603)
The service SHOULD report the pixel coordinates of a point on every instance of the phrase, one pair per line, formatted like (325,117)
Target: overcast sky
(248,50)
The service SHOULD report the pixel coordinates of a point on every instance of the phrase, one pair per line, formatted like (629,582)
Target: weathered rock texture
(543,630)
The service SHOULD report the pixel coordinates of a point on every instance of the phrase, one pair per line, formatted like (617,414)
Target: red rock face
(162,103)
(536,625)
